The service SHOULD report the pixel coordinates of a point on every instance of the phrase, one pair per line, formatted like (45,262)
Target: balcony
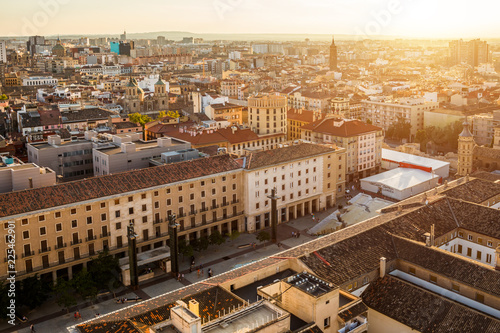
(60,246)
(224,204)
(7,258)
(181,215)
(107,234)
(28,254)
(204,209)
(158,221)
(76,242)
(47,249)
(357,325)
(193,212)
(88,239)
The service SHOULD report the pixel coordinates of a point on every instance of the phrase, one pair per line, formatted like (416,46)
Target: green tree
(4,300)
(185,249)
(103,268)
(173,114)
(33,292)
(401,129)
(162,114)
(64,294)
(216,238)
(233,235)
(141,119)
(4,97)
(85,285)
(263,236)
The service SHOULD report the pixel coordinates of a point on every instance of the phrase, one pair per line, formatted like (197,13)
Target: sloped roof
(347,129)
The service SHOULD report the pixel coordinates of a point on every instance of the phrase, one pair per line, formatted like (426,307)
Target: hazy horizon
(423,19)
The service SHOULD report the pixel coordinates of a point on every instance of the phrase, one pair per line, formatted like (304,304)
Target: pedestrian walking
(76,316)
(32,328)
(293,234)
(198,272)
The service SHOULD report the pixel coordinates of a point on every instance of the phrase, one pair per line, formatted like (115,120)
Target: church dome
(466,132)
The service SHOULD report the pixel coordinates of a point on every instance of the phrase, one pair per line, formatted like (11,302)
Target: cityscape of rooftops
(250,166)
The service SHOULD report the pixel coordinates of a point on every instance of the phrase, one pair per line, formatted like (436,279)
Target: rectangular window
(469,252)
(88,208)
(73,211)
(433,279)
(118,226)
(143,196)
(89,219)
(478,255)
(130,199)
(41,218)
(117,201)
(157,204)
(455,287)
(117,213)
(24,221)
(459,248)
(131,210)
(326,322)
(488,258)
(103,205)
(411,270)
(480,298)
(469,237)
(58,227)
(144,208)
(57,215)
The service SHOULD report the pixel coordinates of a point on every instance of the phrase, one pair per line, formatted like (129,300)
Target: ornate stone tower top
(333,55)
(465,151)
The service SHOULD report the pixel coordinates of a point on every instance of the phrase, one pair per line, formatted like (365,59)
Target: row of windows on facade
(258,143)
(78,173)
(454,287)
(77,152)
(41,218)
(460,234)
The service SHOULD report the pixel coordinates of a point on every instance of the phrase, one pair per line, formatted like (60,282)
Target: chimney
(432,235)
(194,307)
(497,254)
(30,180)
(233,129)
(383,263)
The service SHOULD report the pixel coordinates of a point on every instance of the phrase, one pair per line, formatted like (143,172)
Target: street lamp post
(132,255)
(173,244)
(274,215)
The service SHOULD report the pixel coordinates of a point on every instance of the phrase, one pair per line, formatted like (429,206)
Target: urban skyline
(368,19)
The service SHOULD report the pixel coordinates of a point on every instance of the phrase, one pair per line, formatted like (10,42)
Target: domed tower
(161,95)
(134,96)
(465,149)
(58,50)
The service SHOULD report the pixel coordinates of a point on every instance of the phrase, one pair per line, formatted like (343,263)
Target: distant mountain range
(178,35)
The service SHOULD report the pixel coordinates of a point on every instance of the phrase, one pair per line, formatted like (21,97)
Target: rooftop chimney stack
(432,235)
(383,262)
(497,255)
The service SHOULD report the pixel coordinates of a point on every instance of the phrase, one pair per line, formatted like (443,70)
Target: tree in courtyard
(263,236)
(64,294)
(84,285)
(216,238)
(103,268)
(185,249)
(32,292)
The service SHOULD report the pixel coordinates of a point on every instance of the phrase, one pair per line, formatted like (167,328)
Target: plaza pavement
(49,318)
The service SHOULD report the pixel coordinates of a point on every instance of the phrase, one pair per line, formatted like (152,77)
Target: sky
(367,18)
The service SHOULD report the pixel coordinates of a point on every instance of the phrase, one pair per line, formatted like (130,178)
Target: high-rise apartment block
(473,52)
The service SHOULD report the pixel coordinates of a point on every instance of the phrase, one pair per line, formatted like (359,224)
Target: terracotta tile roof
(123,326)
(476,190)
(311,329)
(86,115)
(353,257)
(422,310)
(485,152)
(303,115)
(353,311)
(347,129)
(450,265)
(486,176)
(282,155)
(52,196)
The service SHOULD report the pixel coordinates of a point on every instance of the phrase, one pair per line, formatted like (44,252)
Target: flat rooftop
(310,284)
(246,319)
(139,145)
(401,178)
(396,156)
(68,143)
